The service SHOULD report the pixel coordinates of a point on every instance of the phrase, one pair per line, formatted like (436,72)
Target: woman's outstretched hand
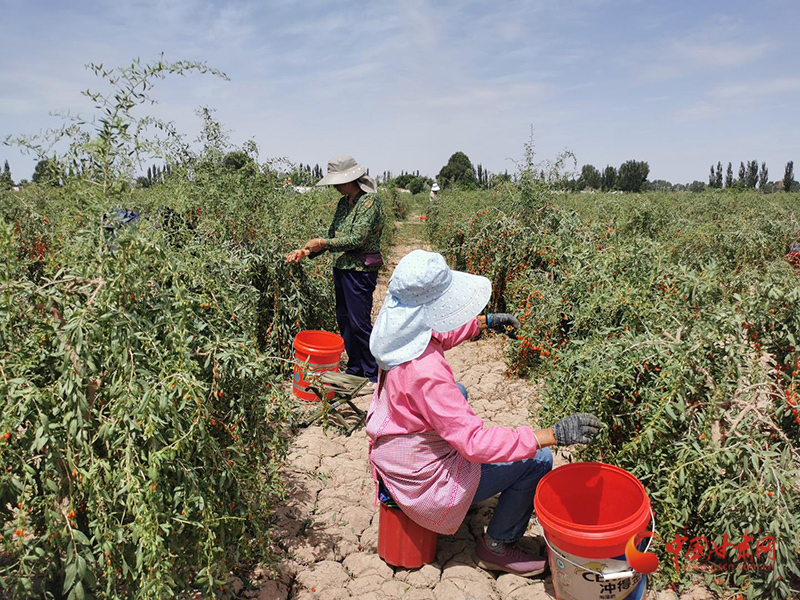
(580,428)
(295,256)
(312,246)
(316,245)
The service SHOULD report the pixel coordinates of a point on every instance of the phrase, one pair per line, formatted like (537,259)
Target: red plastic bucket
(588,512)
(318,351)
(404,543)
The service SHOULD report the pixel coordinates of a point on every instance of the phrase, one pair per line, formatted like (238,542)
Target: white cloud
(756,88)
(721,44)
(736,98)
(722,54)
(700,111)
(481,96)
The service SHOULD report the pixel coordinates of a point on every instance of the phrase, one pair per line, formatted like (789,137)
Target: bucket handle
(611,576)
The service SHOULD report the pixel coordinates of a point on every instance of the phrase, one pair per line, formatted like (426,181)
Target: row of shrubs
(674,319)
(144,424)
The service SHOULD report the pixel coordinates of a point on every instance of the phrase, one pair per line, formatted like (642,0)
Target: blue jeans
(516,483)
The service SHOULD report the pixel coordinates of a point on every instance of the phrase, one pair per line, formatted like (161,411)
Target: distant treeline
(631,176)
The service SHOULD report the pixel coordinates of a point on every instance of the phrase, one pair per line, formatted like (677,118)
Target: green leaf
(81,538)
(81,565)
(69,576)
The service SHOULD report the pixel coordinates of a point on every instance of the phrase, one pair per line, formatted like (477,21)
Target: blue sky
(401,85)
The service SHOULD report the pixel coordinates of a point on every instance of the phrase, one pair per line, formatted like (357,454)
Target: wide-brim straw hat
(424,296)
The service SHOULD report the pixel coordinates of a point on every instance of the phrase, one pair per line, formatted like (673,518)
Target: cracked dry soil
(328,528)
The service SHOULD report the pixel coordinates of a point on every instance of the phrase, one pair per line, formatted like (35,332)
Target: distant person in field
(429,452)
(434,192)
(354,238)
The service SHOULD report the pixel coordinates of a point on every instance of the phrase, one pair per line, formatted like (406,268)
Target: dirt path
(328,530)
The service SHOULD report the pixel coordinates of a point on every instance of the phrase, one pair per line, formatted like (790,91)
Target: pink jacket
(427,445)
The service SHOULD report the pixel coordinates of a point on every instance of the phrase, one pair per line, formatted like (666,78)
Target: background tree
(742,175)
(241,163)
(590,178)
(484,177)
(501,179)
(660,185)
(237,160)
(404,180)
(457,171)
(763,177)
(712,178)
(416,185)
(6,183)
(488,178)
(609,179)
(718,178)
(729,176)
(788,176)
(632,175)
(696,186)
(752,174)
(47,172)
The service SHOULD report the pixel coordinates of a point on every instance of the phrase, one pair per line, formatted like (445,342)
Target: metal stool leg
(331,408)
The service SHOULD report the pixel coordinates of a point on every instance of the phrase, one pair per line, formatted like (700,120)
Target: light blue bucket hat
(424,295)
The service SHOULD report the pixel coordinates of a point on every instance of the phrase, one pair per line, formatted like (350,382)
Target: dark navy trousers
(354,316)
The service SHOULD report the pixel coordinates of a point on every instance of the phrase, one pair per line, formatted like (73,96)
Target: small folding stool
(334,390)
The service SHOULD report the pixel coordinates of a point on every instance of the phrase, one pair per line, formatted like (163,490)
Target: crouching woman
(428,449)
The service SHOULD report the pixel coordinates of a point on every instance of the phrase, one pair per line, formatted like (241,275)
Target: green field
(145,424)
(673,317)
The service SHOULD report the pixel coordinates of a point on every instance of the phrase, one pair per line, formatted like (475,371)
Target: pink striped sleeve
(441,404)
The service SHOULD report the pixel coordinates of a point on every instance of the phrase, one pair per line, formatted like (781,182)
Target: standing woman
(355,239)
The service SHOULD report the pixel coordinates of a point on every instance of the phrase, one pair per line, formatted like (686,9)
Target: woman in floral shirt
(354,238)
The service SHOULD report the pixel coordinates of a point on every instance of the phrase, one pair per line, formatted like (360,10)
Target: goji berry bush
(144,423)
(674,318)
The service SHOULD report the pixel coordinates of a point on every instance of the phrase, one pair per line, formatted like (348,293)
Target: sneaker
(513,560)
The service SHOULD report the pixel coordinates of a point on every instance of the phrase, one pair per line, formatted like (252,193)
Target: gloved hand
(499,321)
(579,428)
